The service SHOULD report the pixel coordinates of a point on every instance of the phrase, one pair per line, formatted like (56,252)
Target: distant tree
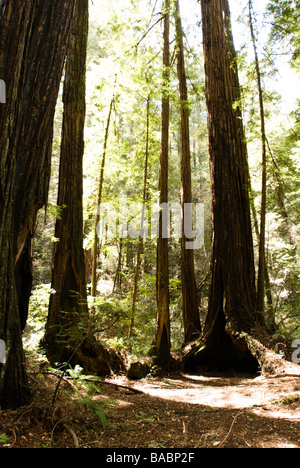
(285,26)
(33,35)
(142,231)
(99,201)
(262,236)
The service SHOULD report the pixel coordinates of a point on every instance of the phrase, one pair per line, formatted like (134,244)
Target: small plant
(3,439)
(100,410)
(142,417)
(290,399)
(89,384)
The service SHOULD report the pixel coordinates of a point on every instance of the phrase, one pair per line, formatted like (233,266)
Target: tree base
(95,359)
(232,351)
(91,355)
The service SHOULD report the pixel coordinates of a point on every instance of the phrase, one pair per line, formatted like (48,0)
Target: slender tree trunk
(262,237)
(99,201)
(270,317)
(191,317)
(33,37)
(68,302)
(162,336)
(232,302)
(141,236)
(118,276)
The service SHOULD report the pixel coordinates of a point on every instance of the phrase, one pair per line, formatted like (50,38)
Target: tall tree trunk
(33,36)
(99,201)
(262,237)
(191,317)
(141,236)
(232,302)
(68,302)
(162,336)
(68,337)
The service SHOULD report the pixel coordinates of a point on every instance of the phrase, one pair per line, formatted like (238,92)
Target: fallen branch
(125,387)
(95,380)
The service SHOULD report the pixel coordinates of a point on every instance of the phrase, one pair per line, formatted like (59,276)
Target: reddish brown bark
(190,309)
(33,36)
(232,303)
(162,336)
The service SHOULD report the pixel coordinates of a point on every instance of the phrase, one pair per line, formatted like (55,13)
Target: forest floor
(179,411)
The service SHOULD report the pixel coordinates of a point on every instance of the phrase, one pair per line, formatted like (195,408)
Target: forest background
(124,67)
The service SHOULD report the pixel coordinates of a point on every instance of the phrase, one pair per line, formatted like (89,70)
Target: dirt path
(196,411)
(182,411)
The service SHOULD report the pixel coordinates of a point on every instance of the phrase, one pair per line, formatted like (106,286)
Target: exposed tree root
(240,351)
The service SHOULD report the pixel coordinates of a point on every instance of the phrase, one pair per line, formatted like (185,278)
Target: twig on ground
(15,438)
(52,432)
(230,430)
(131,389)
(75,438)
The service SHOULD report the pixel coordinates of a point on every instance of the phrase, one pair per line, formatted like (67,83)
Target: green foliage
(100,410)
(90,385)
(3,439)
(290,399)
(286,30)
(38,311)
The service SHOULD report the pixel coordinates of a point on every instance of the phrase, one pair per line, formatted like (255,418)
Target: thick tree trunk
(68,337)
(68,302)
(45,53)
(190,309)
(232,302)
(33,37)
(162,336)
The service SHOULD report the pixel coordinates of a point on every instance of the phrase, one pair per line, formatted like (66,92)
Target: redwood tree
(190,309)
(33,36)
(68,302)
(99,201)
(232,302)
(69,338)
(261,277)
(162,337)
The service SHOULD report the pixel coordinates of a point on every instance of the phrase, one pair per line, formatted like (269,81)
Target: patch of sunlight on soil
(221,392)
